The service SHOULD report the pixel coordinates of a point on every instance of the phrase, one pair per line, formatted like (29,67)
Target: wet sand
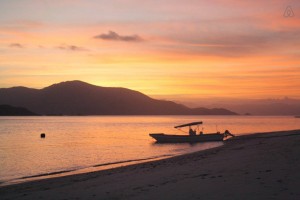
(258,166)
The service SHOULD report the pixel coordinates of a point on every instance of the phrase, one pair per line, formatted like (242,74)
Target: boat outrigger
(192,137)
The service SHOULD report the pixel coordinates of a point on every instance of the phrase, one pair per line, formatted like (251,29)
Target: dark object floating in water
(43,135)
(192,137)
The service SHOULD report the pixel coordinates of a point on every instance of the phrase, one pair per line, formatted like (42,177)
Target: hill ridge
(81,98)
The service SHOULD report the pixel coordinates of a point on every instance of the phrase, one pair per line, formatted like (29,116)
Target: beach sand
(259,166)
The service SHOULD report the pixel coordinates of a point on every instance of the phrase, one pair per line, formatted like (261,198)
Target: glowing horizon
(192,49)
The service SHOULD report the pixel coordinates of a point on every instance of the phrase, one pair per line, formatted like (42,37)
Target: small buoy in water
(43,135)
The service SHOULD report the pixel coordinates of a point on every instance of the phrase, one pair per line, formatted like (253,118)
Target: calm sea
(79,144)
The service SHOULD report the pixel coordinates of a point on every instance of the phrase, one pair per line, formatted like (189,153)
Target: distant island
(80,98)
(272,107)
(7,110)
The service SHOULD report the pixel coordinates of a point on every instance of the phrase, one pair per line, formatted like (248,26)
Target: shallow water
(74,143)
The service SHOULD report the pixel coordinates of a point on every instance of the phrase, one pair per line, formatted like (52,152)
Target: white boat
(192,137)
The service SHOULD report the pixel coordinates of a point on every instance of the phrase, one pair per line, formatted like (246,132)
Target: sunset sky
(164,48)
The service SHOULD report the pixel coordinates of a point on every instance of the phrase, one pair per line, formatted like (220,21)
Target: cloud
(111,35)
(233,43)
(71,48)
(16,45)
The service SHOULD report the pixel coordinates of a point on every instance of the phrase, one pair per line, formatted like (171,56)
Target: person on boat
(201,132)
(192,132)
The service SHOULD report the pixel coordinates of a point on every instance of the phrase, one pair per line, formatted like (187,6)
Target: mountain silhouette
(80,98)
(7,110)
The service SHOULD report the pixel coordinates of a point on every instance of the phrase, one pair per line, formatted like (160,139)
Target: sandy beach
(257,166)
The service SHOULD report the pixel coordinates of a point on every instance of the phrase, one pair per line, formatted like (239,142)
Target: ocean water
(80,144)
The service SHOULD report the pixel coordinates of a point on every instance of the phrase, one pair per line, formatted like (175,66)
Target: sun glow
(166,50)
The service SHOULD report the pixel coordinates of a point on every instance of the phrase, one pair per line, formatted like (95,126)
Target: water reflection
(81,142)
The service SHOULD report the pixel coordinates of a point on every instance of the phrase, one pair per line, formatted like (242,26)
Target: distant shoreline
(247,163)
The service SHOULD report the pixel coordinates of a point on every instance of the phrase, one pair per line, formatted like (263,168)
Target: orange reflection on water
(74,143)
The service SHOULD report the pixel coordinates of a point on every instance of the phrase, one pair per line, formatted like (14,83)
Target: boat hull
(164,138)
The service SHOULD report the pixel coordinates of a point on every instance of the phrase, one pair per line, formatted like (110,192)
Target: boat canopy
(189,124)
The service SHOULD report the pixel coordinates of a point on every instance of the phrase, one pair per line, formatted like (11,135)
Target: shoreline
(235,160)
(96,167)
(84,170)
